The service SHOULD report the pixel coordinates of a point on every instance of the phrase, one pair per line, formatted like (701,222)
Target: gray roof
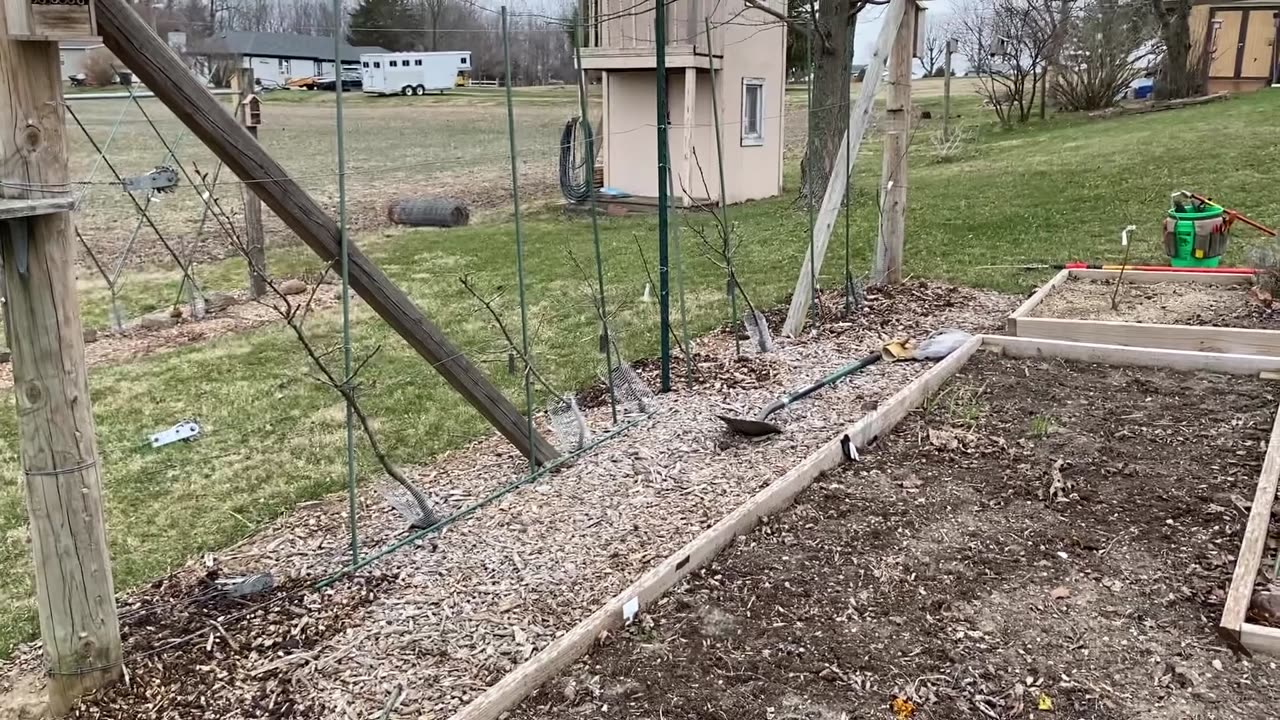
(280,45)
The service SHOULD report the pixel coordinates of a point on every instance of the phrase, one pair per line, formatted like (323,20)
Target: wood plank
(859,119)
(1199,338)
(58,450)
(137,47)
(11,208)
(1184,360)
(1011,322)
(687,179)
(254,237)
(886,266)
(1260,639)
(526,678)
(1253,543)
(1149,277)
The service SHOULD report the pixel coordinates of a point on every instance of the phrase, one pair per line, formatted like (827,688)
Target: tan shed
(747,50)
(1236,42)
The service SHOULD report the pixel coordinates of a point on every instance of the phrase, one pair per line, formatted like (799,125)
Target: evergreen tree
(387,24)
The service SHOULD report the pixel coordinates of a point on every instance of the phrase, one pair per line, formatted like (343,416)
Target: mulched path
(1044,534)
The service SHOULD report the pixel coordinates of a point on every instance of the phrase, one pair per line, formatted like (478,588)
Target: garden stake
(1124,240)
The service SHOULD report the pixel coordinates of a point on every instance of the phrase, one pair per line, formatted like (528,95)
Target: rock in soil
(217,302)
(292,286)
(89,335)
(158,321)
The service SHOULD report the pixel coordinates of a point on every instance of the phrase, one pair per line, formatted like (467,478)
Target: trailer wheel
(407,90)
(419,90)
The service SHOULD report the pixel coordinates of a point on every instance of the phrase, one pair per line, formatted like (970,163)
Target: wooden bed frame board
(778,495)
(1232,627)
(1246,341)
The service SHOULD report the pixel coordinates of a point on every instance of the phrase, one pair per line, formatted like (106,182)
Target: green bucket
(1196,239)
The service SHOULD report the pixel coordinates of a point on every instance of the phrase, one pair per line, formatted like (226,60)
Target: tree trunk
(829,110)
(1179,78)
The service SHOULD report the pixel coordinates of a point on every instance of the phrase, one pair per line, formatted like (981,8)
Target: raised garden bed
(1181,311)
(980,539)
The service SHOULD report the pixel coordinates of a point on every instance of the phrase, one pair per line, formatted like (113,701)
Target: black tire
(407,90)
(419,90)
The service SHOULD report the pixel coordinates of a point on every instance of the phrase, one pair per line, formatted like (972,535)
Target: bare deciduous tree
(935,45)
(1105,47)
(1008,44)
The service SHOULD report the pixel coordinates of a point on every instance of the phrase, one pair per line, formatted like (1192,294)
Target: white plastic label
(630,608)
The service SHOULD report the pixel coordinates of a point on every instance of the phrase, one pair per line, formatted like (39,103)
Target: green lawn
(1049,193)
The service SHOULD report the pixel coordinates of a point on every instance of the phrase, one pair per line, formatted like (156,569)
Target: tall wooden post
(254,239)
(946,88)
(58,450)
(887,266)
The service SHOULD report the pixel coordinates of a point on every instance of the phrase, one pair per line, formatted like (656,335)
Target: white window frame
(753,139)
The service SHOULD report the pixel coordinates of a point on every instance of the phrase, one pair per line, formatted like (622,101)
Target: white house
(274,57)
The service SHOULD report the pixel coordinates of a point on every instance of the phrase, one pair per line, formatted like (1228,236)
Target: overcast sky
(870,20)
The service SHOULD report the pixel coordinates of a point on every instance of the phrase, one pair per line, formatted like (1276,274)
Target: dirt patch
(468,606)
(138,341)
(1167,303)
(1010,548)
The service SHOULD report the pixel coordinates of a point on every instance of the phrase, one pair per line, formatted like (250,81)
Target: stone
(292,286)
(217,302)
(5,355)
(90,335)
(158,321)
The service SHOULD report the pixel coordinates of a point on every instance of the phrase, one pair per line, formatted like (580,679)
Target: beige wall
(751,172)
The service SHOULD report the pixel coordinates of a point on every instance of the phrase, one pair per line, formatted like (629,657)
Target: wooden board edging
(1011,322)
(1252,546)
(1197,338)
(521,682)
(1151,277)
(1260,639)
(1183,360)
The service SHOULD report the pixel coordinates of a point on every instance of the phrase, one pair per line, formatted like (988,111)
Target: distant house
(274,57)
(73,53)
(1235,40)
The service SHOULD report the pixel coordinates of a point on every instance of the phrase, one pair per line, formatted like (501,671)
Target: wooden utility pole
(859,120)
(133,42)
(254,238)
(57,445)
(887,265)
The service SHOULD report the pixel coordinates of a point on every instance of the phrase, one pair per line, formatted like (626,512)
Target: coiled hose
(577,171)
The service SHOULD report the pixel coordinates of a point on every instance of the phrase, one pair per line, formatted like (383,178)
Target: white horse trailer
(413,73)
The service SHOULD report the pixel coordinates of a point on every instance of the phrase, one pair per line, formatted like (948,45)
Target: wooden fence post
(254,239)
(58,449)
(887,265)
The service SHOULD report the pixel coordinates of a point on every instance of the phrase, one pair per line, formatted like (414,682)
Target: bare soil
(427,629)
(1042,534)
(1166,303)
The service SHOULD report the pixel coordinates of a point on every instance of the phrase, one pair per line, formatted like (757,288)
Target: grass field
(1046,193)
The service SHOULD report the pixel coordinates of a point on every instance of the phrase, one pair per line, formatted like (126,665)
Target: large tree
(1179,74)
(375,22)
(826,26)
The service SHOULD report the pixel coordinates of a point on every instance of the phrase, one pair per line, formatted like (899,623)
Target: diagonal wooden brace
(173,83)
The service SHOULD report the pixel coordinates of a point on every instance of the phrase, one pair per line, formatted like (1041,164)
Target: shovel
(935,347)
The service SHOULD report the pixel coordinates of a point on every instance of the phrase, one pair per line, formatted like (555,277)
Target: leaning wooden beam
(859,119)
(1253,544)
(151,60)
(521,682)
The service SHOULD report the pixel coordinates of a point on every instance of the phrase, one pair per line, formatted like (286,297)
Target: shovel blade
(749,426)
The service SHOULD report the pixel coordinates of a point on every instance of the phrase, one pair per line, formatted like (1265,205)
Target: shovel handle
(805,392)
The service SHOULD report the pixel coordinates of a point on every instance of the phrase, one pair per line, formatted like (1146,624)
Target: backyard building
(274,57)
(1236,42)
(72,54)
(747,51)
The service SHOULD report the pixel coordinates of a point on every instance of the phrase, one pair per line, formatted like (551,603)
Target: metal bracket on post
(162,179)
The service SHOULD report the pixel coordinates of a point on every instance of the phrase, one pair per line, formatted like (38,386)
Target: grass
(1046,193)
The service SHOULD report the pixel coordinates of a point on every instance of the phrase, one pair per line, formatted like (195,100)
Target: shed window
(364,63)
(417,63)
(752,111)
(377,64)
(392,63)
(464,61)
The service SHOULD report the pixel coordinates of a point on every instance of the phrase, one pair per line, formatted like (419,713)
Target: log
(429,212)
